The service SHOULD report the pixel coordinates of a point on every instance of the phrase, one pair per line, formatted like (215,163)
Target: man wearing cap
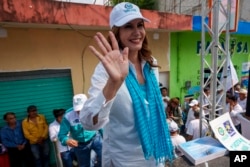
(193,107)
(83,141)
(193,129)
(237,88)
(176,138)
(242,99)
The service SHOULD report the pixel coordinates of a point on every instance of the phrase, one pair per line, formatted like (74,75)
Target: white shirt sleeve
(53,132)
(190,129)
(189,116)
(236,110)
(96,104)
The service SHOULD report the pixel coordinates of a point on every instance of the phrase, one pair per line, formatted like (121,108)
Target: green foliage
(143,4)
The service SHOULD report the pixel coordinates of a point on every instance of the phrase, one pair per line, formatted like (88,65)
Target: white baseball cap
(243,91)
(219,88)
(123,13)
(193,102)
(78,101)
(173,127)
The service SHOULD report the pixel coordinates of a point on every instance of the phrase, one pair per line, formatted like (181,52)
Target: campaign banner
(222,17)
(228,136)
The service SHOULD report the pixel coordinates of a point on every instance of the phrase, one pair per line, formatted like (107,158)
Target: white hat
(243,91)
(173,126)
(193,102)
(123,13)
(219,88)
(78,101)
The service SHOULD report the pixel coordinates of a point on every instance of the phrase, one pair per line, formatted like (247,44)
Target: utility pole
(219,57)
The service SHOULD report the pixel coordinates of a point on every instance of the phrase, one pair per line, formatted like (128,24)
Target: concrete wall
(27,49)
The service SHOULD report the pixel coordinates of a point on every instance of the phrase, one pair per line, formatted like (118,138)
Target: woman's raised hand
(114,61)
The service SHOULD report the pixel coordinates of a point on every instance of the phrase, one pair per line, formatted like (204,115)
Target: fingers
(75,144)
(95,52)
(125,54)
(102,43)
(105,46)
(113,40)
(72,143)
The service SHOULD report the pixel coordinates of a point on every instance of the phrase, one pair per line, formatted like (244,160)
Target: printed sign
(226,133)
(222,18)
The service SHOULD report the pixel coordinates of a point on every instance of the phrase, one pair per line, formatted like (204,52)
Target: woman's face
(173,104)
(132,34)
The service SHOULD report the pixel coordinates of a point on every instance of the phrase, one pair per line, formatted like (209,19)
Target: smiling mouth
(135,40)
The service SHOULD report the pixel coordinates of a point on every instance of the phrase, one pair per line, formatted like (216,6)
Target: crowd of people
(27,141)
(128,120)
(190,111)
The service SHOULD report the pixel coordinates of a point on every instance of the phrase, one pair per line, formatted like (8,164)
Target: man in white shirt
(176,138)
(194,105)
(242,99)
(66,153)
(234,109)
(165,98)
(193,129)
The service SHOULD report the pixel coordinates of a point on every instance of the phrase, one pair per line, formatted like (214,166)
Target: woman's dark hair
(58,112)
(175,101)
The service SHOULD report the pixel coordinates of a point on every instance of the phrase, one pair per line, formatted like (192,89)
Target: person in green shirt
(83,141)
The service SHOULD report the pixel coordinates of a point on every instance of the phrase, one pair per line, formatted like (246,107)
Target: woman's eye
(128,26)
(140,25)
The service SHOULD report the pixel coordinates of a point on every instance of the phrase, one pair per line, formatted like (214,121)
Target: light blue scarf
(150,118)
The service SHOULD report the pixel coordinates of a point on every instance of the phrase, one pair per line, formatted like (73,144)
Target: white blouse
(121,143)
